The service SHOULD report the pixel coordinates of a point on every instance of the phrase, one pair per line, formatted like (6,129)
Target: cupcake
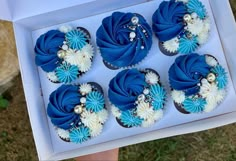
(198,83)
(64,54)
(124,39)
(181,26)
(137,97)
(77,111)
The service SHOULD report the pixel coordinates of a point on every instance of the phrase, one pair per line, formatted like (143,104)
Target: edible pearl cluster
(133,26)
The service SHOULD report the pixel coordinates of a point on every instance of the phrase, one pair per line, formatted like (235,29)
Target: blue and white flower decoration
(195,31)
(149,105)
(90,113)
(75,52)
(212,90)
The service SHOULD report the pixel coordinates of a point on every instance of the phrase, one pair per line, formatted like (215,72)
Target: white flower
(171,45)
(144,111)
(211,92)
(85,88)
(89,119)
(158,115)
(72,57)
(178,96)
(102,115)
(207,25)
(210,60)
(210,106)
(203,37)
(151,78)
(96,130)
(196,26)
(85,63)
(115,111)
(148,122)
(52,76)
(88,51)
(65,28)
(64,134)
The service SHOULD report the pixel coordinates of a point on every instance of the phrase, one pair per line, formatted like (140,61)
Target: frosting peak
(168,20)
(125,87)
(124,39)
(46,50)
(186,73)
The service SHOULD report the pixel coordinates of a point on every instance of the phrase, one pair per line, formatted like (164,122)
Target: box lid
(13,10)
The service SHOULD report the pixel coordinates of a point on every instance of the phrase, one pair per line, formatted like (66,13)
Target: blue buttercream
(125,87)
(197,7)
(61,106)
(194,105)
(46,49)
(114,41)
(187,45)
(67,73)
(168,20)
(158,95)
(187,71)
(95,101)
(79,135)
(76,39)
(221,76)
(128,119)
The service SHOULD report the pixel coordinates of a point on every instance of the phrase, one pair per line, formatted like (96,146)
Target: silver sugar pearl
(199,84)
(64,42)
(211,77)
(82,99)
(78,109)
(187,18)
(144,31)
(65,47)
(131,39)
(61,53)
(146,91)
(132,35)
(142,47)
(141,97)
(135,20)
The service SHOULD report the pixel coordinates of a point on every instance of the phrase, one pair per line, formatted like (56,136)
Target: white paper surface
(156,60)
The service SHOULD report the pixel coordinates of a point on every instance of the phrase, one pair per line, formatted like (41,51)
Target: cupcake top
(198,83)
(124,39)
(77,112)
(64,54)
(181,26)
(137,97)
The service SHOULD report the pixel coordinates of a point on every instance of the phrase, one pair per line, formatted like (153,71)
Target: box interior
(37,87)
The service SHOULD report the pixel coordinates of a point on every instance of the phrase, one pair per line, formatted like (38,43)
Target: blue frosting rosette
(198,83)
(64,54)
(124,39)
(137,97)
(77,111)
(181,26)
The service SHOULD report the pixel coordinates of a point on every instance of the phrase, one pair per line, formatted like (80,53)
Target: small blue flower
(158,95)
(187,45)
(95,101)
(128,119)
(76,39)
(221,76)
(197,7)
(194,105)
(66,73)
(79,135)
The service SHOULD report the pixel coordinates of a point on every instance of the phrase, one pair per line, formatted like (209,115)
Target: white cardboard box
(40,16)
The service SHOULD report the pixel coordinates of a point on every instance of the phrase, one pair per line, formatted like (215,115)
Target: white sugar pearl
(65,47)
(132,35)
(82,99)
(146,91)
